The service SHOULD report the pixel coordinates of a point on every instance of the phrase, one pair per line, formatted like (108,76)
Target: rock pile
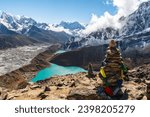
(111,71)
(112,65)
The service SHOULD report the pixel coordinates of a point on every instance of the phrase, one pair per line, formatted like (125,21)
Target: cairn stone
(112,65)
(90,71)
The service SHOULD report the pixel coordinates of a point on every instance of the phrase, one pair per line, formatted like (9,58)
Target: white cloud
(124,7)
(58,29)
(104,21)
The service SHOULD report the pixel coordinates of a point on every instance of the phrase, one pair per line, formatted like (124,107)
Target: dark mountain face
(25,27)
(137,21)
(92,39)
(4,30)
(95,54)
(11,39)
(47,35)
(29,27)
(26,21)
(105,34)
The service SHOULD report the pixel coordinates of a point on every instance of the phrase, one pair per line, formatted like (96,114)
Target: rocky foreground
(79,86)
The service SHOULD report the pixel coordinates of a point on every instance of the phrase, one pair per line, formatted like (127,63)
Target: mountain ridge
(135,26)
(18,23)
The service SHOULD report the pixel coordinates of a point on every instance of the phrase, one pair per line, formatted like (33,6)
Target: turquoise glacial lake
(54,70)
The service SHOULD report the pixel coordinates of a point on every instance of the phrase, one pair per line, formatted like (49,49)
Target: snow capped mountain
(71,25)
(22,24)
(4,30)
(134,26)
(16,23)
(9,21)
(26,27)
(135,29)
(137,21)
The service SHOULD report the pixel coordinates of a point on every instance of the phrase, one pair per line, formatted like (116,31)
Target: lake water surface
(54,70)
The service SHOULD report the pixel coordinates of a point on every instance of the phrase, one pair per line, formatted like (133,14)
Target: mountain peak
(144,4)
(71,25)
(5,16)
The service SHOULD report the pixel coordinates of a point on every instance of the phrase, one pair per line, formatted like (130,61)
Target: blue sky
(54,11)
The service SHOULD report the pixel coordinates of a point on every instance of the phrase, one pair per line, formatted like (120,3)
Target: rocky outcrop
(140,74)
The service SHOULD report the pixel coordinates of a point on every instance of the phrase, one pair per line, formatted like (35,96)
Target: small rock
(137,80)
(60,84)
(42,96)
(62,96)
(139,88)
(143,80)
(23,90)
(1,90)
(53,87)
(22,85)
(47,89)
(72,84)
(83,94)
(140,96)
(128,90)
(10,98)
(141,75)
(147,82)
(3,96)
(35,86)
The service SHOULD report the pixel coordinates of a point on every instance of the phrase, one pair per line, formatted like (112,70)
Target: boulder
(47,89)
(140,96)
(83,94)
(35,86)
(3,96)
(22,85)
(42,96)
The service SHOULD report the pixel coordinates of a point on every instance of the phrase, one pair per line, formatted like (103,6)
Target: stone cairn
(90,71)
(111,64)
